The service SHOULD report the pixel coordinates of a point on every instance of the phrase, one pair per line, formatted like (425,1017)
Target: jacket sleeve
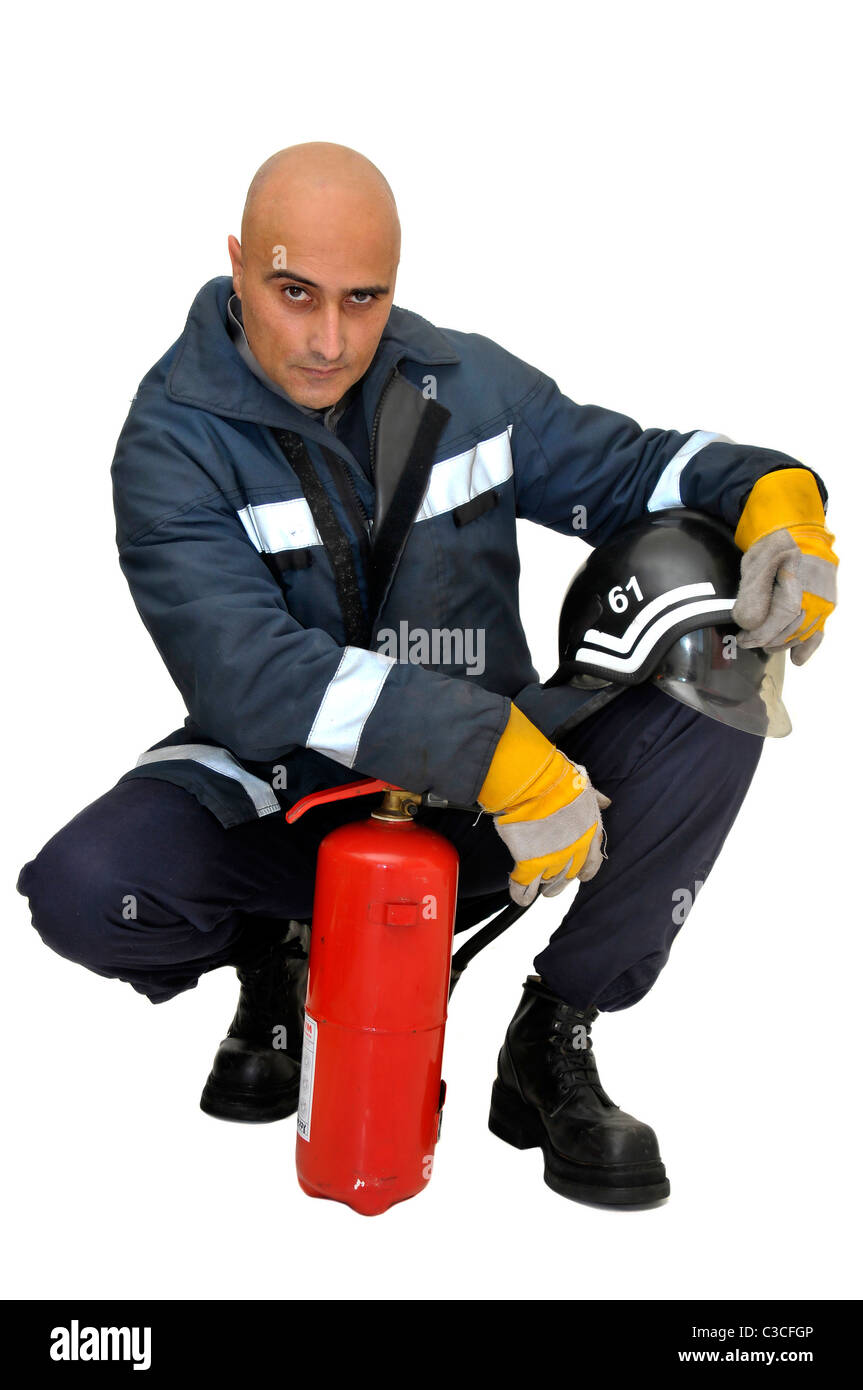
(251,676)
(585,470)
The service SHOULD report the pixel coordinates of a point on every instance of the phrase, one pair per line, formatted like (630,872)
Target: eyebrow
(301,280)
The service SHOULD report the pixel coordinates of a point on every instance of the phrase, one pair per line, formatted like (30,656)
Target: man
(308,473)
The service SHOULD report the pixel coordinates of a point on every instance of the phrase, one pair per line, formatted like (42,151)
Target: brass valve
(397,805)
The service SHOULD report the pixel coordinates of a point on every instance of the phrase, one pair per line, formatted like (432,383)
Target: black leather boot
(256,1072)
(548,1095)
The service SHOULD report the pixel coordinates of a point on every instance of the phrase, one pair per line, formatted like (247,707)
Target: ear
(235,251)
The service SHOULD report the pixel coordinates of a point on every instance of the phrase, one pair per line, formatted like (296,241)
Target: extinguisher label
(307,1078)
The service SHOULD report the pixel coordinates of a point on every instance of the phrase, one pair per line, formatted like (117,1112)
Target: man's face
(316,281)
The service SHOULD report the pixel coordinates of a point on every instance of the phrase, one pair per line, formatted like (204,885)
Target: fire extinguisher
(371,1093)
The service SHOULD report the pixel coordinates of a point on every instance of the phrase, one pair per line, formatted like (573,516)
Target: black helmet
(654,602)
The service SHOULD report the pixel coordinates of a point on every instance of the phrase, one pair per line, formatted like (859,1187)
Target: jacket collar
(209,373)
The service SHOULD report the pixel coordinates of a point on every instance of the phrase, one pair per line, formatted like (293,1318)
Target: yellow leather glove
(545,811)
(788,572)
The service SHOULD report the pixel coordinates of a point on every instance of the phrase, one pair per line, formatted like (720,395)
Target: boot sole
(247,1108)
(519,1125)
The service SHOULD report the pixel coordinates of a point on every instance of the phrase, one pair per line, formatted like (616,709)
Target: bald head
(316,267)
(321,172)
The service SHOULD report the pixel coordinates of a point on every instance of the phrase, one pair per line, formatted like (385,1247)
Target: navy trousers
(146,886)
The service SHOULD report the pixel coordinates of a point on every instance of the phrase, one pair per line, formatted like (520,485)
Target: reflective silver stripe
(647,614)
(218,760)
(667,490)
(607,662)
(457,480)
(348,701)
(275,526)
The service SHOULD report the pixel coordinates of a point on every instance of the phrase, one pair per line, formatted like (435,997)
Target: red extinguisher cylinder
(379,971)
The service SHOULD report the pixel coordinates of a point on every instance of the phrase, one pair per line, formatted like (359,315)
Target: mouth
(321,375)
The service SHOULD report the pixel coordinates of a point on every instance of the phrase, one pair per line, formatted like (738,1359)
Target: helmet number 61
(617,599)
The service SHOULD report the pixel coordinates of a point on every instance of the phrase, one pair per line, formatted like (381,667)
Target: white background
(659,206)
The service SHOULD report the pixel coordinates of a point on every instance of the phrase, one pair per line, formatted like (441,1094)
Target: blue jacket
(326,617)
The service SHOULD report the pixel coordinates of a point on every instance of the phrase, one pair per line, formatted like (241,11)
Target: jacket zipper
(349,493)
(361,506)
(372,460)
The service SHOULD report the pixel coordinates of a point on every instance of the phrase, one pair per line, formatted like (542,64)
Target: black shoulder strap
(336,543)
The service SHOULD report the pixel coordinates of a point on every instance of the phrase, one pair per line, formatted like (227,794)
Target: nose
(327,342)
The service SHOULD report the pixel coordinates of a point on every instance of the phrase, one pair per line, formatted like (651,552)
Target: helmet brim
(739,686)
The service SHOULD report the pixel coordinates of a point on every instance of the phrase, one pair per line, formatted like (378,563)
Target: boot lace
(573,1062)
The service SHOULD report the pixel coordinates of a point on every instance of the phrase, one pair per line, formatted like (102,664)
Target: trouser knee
(146,886)
(90,904)
(73,909)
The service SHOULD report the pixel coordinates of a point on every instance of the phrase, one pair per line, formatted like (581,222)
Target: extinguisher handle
(364,787)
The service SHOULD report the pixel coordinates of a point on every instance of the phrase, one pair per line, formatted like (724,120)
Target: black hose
(482,938)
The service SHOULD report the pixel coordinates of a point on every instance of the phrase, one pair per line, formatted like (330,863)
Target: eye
(289,295)
(364,296)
